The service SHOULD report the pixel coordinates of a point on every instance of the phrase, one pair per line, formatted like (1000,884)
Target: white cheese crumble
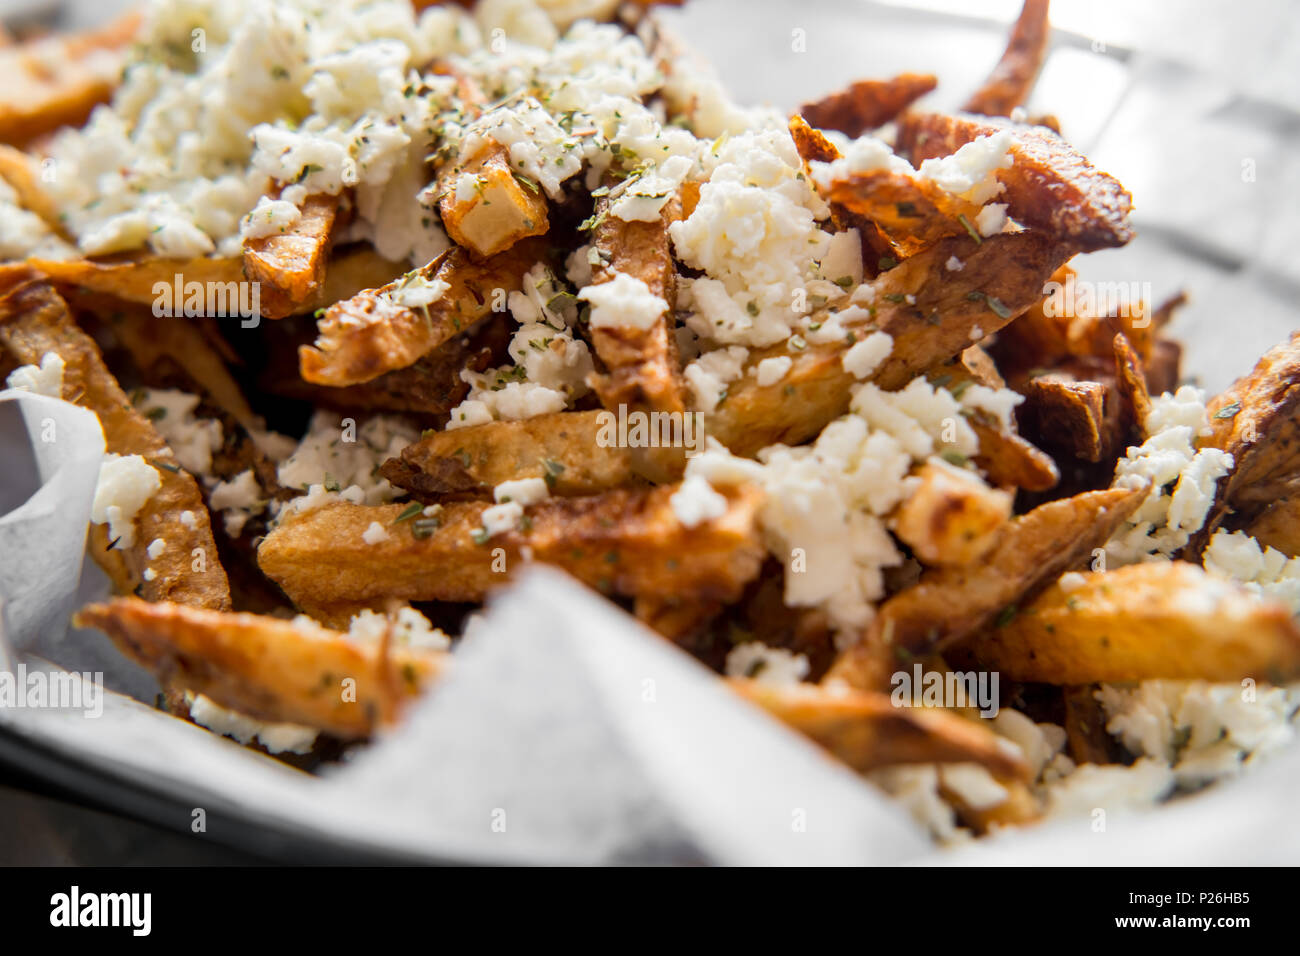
(191,439)
(1258,568)
(374,533)
(125,484)
(47,379)
(524,491)
(498,519)
(239,499)
(709,375)
(990,220)
(864,356)
(696,502)
(409,628)
(954,264)
(156,547)
(1182,480)
(339,459)
(270,217)
(774,666)
(971,172)
(275,737)
(772,370)
(623,302)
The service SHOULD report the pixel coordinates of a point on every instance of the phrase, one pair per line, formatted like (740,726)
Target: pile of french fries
(981,588)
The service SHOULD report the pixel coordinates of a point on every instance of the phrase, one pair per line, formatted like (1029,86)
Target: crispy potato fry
(1278,526)
(622,542)
(1131,390)
(370,334)
(18,170)
(291,265)
(1051,186)
(866,730)
(1011,81)
(950,605)
(57,81)
(642,370)
(562,448)
(132,277)
(268,668)
(867,104)
(1010,461)
(910,213)
(1257,421)
(1142,622)
(1002,277)
(33,321)
(811,143)
(502,207)
(1067,415)
(951,518)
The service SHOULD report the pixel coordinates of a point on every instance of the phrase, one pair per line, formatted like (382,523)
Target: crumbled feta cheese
(275,737)
(409,628)
(340,458)
(45,380)
(695,502)
(772,370)
(156,547)
(971,172)
(954,264)
(374,533)
(501,518)
(973,785)
(270,217)
(990,220)
(998,403)
(709,375)
(864,356)
(774,666)
(188,520)
(1260,569)
(125,484)
(524,491)
(624,302)
(191,439)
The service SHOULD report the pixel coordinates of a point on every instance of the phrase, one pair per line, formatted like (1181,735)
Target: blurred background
(1193,104)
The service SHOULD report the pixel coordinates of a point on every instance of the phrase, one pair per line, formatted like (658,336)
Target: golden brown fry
(952,518)
(1131,390)
(1278,526)
(911,213)
(951,604)
(1003,276)
(1051,186)
(268,668)
(812,144)
(370,334)
(501,207)
(16,169)
(132,278)
(622,542)
(866,730)
(563,448)
(1011,81)
(867,104)
(57,81)
(1142,622)
(642,370)
(1257,421)
(291,265)
(34,321)
(1010,461)
(1067,415)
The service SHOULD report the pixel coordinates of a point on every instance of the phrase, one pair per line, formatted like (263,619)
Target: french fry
(866,731)
(642,370)
(1068,415)
(563,449)
(1010,461)
(910,213)
(34,321)
(679,620)
(1278,526)
(1051,186)
(1142,622)
(621,542)
(949,605)
(952,518)
(57,81)
(1255,420)
(812,144)
(1003,276)
(1086,737)
(867,104)
(1131,390)
(1011,81)
(132,277)
(370,334)
(497,208)
(17,169)
(268,668)
(291,265)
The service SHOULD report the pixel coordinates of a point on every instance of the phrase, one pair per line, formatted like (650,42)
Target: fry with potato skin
(625,541)
(269,668)
(866,731)
(1050,186)
(34,321)
(562,448)
(1159,620)
(951,518)
(867,104)
(132,277)
(291,265)
(1012,80)
(370,334)
(1007,269)
(949,605)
